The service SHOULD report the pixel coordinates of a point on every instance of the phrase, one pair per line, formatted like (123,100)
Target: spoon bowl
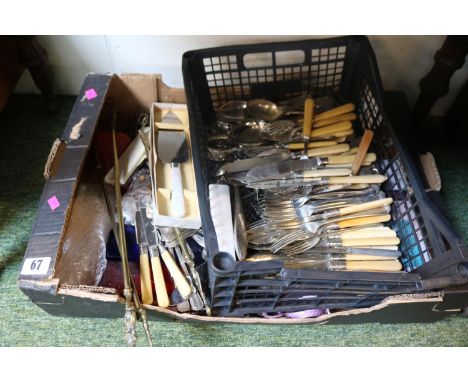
(233,111)
(265,110)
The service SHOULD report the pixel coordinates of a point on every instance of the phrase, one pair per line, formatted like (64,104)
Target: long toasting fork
(156,245)
(131,310)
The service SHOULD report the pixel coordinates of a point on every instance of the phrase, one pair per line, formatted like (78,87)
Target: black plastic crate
(345,67)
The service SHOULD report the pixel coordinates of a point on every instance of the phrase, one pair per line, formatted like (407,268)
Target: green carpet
(27,134)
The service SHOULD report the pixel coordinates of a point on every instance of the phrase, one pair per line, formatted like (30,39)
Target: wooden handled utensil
(362,151)
(308,118)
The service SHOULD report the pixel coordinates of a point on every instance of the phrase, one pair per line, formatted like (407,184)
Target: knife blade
(313,181)
(355,250)
(145,273)
(140,230)
(282,168)
(333,263)
(246,164)
(240,178)
(284,183)
(286,167)
(288,172)
(279,154)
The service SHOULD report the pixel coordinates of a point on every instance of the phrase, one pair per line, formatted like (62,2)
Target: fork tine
(288,239)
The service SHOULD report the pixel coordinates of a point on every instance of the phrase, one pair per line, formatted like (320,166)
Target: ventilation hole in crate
(315,55)
(322,77)
(291,57)
(255,60)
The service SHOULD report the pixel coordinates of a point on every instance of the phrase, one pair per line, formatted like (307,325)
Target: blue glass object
(112,251)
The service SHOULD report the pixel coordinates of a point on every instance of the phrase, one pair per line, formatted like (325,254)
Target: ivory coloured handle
(377,266)
(326,172)
(359,257)
(351,151)
(348,165)
(332,129)
(343,109)
(311,145)
(358,234)
(371,179)
(355,222)
(180,281)
(358,186)
(159,284)
(348,159)
(145,279)
(343,133)
(374,241)
(177,195)
(324,151)
(365,206)
(336,119)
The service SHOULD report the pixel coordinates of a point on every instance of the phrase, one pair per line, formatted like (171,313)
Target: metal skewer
(132,311)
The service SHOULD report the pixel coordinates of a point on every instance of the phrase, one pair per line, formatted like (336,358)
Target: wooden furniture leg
(455,123)
(435,84)
(10,69)
(35,57)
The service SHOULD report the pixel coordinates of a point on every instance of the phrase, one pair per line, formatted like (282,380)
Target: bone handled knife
(343,109)
(288,167)
(282,183)
(145,273)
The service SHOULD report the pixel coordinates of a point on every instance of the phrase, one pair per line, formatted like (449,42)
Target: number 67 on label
(36,266)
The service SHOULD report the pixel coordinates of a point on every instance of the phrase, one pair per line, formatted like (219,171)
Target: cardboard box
(41,278)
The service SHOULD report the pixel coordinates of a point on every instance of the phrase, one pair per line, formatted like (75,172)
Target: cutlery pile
(315,198)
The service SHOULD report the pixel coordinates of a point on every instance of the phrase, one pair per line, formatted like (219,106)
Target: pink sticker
(90,94)
(53,203)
